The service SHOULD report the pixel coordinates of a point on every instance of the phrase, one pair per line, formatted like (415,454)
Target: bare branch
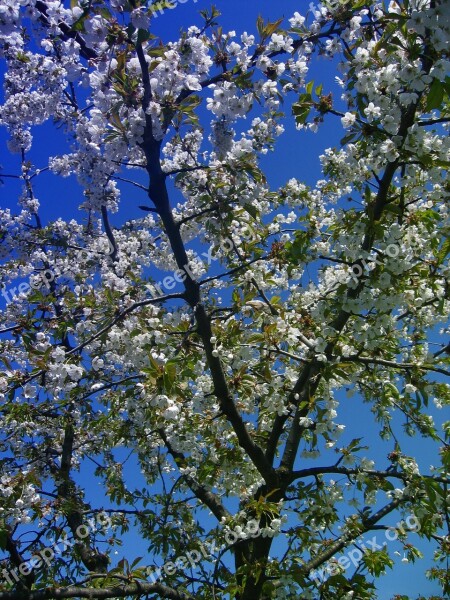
(125,180)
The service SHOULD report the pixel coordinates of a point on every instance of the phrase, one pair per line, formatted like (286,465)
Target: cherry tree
(211,350)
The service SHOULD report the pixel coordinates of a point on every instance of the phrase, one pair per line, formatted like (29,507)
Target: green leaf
(252,210)
(271,28)
(393,208)
(140,573)
(301,113)
(135,562)
(122,565)
(348,138)
(444,251)
(435,95)
(260,25)
(22,57)
(169,375)
(143,36)
(376,562)
(79,23)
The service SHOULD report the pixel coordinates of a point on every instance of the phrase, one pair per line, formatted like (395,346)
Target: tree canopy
(244,378)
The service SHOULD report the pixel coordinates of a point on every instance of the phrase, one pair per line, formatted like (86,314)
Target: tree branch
(346,539)
(310,376)
(92,559)
(208,498)
(133,589)
(335,470)
(232,271)
(395,365)
(109,234)
(227,404)
(102,331)
(68,32)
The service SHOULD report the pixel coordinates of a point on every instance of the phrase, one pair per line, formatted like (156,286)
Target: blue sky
(297,155)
